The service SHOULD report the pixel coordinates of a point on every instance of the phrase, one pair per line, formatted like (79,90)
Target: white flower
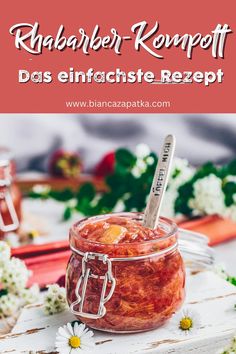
(73,339)
(142,151)
(55,299)
(150,160)
(186,321)
(72,203)
(14,275)
(139,168)
(31,295)
(41,189)
(136,172)
(5,252)
(168,207)
(230,212)
(120,206)
(230,178)
(180,174)
(12,239)
(208,196)
(9,304)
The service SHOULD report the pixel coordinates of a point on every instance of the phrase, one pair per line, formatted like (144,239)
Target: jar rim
(139,217)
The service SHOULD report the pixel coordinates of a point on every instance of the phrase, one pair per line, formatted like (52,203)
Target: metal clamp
(5,195)
(83,280)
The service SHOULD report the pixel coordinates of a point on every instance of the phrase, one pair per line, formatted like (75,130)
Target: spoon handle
(159,184)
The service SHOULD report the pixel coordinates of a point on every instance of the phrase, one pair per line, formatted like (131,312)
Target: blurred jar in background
(10,196)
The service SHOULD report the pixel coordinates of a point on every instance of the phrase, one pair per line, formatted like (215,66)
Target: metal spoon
(159,184)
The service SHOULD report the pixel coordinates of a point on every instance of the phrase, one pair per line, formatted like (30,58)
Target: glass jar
(125,287)
(10,196)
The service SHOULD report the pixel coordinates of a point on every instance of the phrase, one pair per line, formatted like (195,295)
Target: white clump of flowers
(9,305)
(5,252)
(142,152)
(72,203)
(120,204)
(30,295)
(12,239)
(230,349)
(230,212)
(14,275)
(208,196)
(230,178)
(55,300)
(41,189)
(119,207)
(181,173)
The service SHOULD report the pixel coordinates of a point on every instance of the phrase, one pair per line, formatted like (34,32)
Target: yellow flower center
(185,323)
(33,234)
(74,342)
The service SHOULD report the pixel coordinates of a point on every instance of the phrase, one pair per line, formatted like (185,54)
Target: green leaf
(62,196)
(108,201)
(125,158)
(67,213)
(185,192)
(181,203)
(229,190)
(35,195)
(232,280)
(3,292)
(176,173)
(205,170)
(229,169)
(136,201)
(87,190)
(84,207)
(113,181)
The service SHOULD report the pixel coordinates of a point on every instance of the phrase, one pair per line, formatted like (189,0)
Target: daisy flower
(186,321)
(73,338)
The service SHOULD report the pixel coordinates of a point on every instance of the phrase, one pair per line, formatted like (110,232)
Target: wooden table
(212,297)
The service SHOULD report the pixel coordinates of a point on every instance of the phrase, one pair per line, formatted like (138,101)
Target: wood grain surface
(207,294)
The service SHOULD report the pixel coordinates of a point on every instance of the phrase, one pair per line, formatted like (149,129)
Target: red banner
(118,57)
